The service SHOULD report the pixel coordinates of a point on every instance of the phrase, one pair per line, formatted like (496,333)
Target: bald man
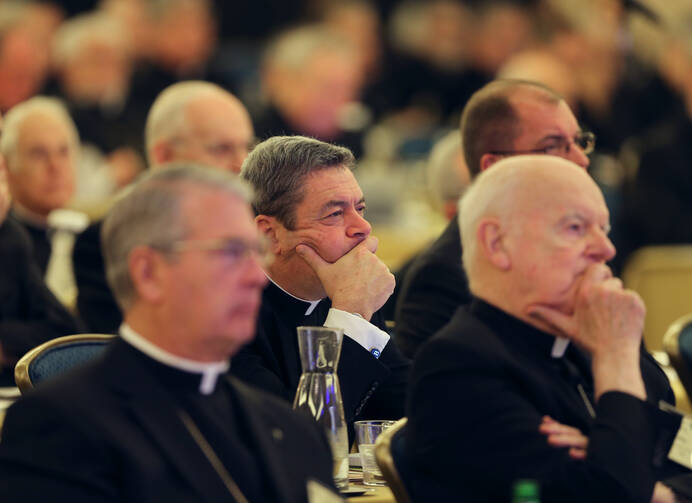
(545,360)
(504,118)
(194,121)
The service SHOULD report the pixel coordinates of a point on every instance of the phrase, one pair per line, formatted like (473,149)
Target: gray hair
(277,169)
(19,113)
(148,214)
(293,48)
(443,172)
(77,33)
(166,118)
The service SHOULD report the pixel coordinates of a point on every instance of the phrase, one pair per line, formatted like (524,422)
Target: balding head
(200,122)
(507,117)
(530,227)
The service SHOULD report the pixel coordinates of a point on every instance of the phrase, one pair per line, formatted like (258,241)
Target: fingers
(311,257)
(371,243)
(562,435)
(559,322)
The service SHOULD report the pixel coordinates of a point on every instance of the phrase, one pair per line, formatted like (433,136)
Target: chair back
(662,276)
(390,456)
(56,357)
(678,344)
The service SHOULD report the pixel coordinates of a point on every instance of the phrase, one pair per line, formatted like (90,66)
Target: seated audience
(189,121)
(40,144)
(547,350)
(325,272)
(503,118)
(29,313)
(157,418)
(312,77)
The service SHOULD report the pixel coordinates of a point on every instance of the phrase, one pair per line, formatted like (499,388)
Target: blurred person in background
(26,30)
(93,63)
(192,121)
(29,313)
(447,177)
(312,80)
(40,144)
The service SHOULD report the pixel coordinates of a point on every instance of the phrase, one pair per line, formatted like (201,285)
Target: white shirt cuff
(357,328)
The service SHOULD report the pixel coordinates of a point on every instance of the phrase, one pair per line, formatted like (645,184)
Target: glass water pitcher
(319,393)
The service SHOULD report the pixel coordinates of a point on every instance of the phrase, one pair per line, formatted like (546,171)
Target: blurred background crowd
(387,78)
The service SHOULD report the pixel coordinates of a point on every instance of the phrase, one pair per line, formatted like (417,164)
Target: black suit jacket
(111,432)
(371,387)
(40,242)
(95,302)
(29,313)
(434,286)
(478,392)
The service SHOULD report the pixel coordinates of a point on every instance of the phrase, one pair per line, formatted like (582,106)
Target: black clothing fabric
(373,388)
(269,122)
(29,313)
(657,204)
(479,390)
(40,241)
(113,431)
(95,302)
(433,288)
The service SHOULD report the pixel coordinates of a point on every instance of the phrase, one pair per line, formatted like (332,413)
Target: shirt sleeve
(360,330)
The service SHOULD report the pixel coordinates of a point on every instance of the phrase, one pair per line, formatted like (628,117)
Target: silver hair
(19,113)
(443,172)
(293,48)
(75,34)
(277,169)
(148,214)
(166,117)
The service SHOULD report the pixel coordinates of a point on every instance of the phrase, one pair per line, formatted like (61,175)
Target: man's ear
(491,242)
(144,265)
(268,226)
(162,152)
(488,160)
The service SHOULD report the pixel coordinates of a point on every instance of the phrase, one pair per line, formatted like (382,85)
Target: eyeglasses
(234,250)
(559,145)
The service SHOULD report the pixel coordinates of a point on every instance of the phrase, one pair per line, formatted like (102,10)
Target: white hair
(166,119)
(443,172)
(77,33)
(19,113)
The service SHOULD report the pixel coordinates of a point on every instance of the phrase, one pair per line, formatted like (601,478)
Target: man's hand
(5,198)
(608,322)
(561,435)
(358,282)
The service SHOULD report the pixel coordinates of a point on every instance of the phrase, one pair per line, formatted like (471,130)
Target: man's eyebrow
(339,203)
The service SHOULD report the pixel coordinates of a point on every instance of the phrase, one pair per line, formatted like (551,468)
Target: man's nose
(577,156)
(357,225)
(603,248)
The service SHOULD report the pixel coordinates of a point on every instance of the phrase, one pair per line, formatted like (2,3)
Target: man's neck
(296,283)
(24,214)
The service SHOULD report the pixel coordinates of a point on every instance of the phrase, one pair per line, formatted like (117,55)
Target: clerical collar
(559,347)
(312,304)
(210,371)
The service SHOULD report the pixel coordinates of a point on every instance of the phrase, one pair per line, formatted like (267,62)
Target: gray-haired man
(325,272)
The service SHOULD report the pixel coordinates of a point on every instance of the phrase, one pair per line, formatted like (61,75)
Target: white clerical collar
(559,347)
(312,303)
(210,371)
